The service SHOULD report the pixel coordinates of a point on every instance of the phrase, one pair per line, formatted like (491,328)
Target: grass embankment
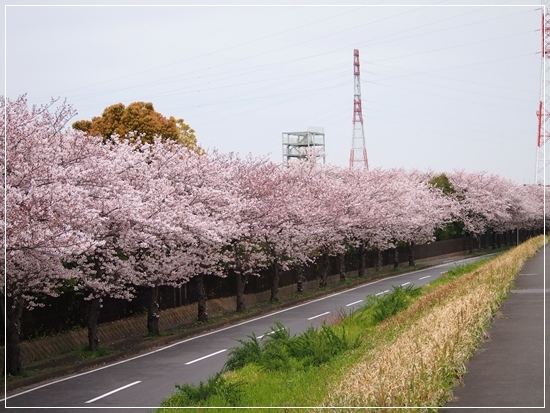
(407,348)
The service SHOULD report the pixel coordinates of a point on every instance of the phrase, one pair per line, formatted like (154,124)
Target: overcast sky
(443,87)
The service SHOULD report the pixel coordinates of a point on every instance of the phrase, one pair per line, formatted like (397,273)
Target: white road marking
(404,284)
(370,284)
(421,278)
(527,274)
(318,315)
(355,302)
(205,357)
(443,272)
(113,391)
(267,334)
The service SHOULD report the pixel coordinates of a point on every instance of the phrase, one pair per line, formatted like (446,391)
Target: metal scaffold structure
(542,113)
(358,153)
(304,144)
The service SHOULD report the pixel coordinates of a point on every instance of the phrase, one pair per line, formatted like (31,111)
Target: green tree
(139,117)
(442,182)
(454,229)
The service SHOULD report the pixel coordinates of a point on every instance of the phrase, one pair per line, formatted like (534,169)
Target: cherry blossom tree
(330,199)
(46,218)
(423,209)
(483,201)
(183,221)
(243,254)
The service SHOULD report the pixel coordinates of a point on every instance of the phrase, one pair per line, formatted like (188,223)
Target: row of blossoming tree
(106,218)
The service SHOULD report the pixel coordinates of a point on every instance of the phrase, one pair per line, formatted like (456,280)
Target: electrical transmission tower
(542,113)
(358,153)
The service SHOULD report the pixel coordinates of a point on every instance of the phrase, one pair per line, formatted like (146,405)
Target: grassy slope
(410,359)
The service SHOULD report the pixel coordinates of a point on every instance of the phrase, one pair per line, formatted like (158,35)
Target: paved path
(508,370)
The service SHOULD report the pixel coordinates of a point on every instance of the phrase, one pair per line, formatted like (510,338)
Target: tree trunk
(470,242)
(324,269)
(378,263)
(13,330)
(93,316)
(241,281)
(153,325)
(395,258)
(494,239)
(342,259)
(300,279)
(362,260)
(201,305)
(411,254)
(275,283)
(499,241)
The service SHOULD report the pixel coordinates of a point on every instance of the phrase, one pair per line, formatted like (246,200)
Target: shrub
(392,303)
(217,390)
(250,351)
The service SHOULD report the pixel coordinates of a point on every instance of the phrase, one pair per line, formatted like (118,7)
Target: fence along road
(143,381)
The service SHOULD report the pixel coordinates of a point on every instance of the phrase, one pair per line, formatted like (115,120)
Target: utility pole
(543,134)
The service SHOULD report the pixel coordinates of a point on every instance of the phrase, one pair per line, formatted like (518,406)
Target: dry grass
(425,347)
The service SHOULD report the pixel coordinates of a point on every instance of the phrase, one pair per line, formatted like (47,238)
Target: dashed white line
(205,357)
(318,315)
(113,391)
(267,334)
(383,292)
(404,284)
(427,276)
(355,302)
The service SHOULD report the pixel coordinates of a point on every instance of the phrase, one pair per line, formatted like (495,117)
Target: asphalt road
(142,382)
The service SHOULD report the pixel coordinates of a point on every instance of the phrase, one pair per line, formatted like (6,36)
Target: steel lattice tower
(358,153)
(542,113)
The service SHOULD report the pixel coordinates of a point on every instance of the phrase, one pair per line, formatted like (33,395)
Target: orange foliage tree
(140,118)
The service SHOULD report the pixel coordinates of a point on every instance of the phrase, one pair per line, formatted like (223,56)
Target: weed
(303,293)
(250,351)
(279,351)
(217,391)
(390,304)
(88,354)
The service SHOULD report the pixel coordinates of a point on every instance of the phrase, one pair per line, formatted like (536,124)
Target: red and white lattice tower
(542,113)
(358,153)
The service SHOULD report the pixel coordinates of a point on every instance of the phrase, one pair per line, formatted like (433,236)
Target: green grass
(301,370)
(88,354)
(288,362)
(457,272)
